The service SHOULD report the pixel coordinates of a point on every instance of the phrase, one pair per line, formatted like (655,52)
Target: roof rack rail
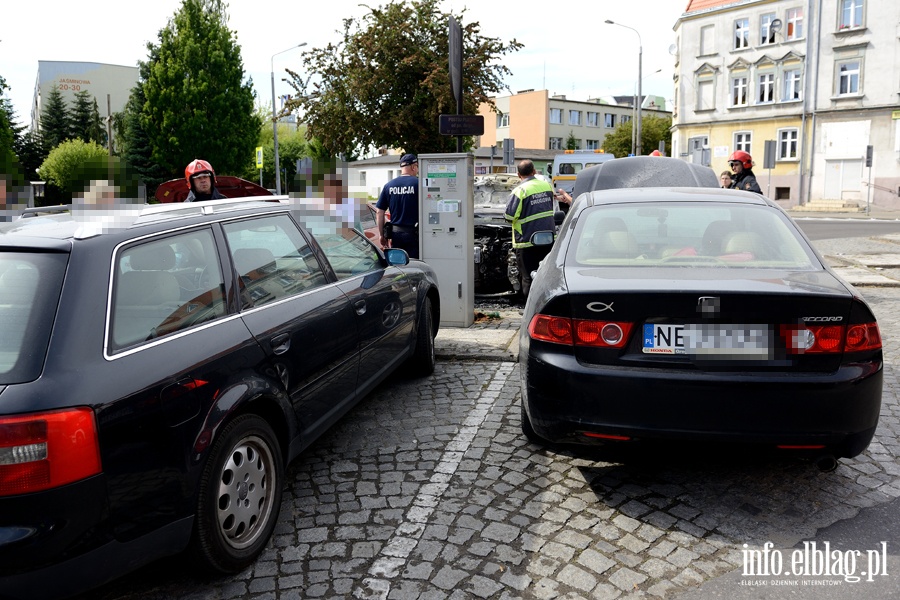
(153,212)
(42,210)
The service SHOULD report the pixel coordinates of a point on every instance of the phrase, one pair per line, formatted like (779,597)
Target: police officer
(530,208)
(743,178)
(201,179)
(401,196)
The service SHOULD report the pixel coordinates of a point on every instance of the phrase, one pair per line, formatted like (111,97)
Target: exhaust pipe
(826,463)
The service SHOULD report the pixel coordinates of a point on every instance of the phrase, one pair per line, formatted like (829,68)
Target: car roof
(644,171)
(674,194)
(75,223)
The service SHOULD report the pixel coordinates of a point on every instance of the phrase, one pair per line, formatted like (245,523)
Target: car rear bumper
(565,400)
(57,543)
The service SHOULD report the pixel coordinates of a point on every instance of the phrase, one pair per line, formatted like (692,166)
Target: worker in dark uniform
(742,166)
(530,209)
(400,196)
(201,179)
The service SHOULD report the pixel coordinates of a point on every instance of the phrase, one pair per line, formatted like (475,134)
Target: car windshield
(30,284)
(680,234)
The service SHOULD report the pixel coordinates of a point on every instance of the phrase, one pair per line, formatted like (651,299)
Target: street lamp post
(639,96)
(275,120)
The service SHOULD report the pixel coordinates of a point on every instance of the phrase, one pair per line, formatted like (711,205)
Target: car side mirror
(542,238)
(558,217)
(396,257)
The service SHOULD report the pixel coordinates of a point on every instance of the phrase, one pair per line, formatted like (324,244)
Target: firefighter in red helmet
(742,166)
(656,153)
(201,179)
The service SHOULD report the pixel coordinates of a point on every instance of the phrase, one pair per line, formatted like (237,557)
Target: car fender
(247,392)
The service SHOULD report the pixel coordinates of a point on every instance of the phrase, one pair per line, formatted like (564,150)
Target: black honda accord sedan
(161,365)
(696,315)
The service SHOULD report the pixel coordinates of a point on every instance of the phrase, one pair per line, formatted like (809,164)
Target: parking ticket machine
(447,231)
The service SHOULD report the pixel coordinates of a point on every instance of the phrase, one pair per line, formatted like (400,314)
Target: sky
(568,48)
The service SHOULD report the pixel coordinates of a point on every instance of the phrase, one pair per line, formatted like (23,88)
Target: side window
(163,286)
(349,254)
(272,259)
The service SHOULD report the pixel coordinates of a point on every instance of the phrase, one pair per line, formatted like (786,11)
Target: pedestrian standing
(725,179)
(400,197)
(530,209)
(742,165)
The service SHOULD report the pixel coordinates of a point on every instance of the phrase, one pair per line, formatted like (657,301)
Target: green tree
(197,104)
(85,119)
(10,133)
(387,81)
(571,141)
(653,130)
(55,120)
(72,165)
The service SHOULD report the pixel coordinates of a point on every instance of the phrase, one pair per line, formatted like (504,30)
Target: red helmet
(198,166)
(655,153)
(741,157)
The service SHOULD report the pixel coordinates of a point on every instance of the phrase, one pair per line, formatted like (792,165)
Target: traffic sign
(259,157)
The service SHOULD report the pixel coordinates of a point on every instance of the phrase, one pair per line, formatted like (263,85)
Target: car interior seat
(612,240)
(741,242)
(146,295)
(713,242)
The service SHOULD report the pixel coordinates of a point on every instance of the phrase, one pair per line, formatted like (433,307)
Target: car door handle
(360,306)
(280,343)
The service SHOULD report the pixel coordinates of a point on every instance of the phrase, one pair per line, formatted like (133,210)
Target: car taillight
(830,339)
(579,332)
(601,334)
(557,330)
(46,450)
(863,337)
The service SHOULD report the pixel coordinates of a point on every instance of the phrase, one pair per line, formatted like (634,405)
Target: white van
(567,165)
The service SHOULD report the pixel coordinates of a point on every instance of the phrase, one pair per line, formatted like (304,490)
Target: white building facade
(819,78)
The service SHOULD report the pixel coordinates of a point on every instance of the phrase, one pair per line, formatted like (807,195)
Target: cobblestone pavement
(428,490)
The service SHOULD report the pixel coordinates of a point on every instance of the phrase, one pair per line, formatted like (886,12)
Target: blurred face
(334,191)
(737,166)
(726,180)
(202,182)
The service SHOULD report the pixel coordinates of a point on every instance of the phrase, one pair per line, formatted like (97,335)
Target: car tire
(528,430)
(239,496)
(422,360)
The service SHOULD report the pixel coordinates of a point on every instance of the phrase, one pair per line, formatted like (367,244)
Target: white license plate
(708,340)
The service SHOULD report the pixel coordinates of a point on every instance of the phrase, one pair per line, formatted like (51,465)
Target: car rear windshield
(679,234)
(30,284)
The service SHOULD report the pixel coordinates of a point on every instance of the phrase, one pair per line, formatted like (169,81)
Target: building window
(851,14)
(741,34)
(624,118)
(609,120)
(739,91)
(503,120)
(362,178)
(787,144)
(707,40)
(848,78)
(593,119)
(766,88)
(593,145)
(795,23)
(742,141)
(706,99)
(556,116)
(574,117)
(556,143)
(766,33)
(793,85)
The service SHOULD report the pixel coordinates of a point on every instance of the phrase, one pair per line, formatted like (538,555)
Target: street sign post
(259,163)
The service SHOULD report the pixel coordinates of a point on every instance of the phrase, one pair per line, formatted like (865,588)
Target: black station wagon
(161,365)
